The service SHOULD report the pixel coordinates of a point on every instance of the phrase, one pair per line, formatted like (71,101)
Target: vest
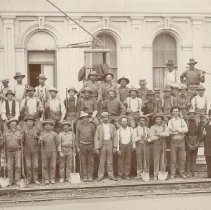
(13,111)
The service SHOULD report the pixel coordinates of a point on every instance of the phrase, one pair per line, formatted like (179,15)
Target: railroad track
(103,190)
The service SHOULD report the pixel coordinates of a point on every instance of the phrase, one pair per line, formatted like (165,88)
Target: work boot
(85,179)
(90,179)
(46,182)
(100,179)
(112,178)
(61,180)
(52,181)
(155,178)
(172,177)
(37,182)
(189,175)
(183,176)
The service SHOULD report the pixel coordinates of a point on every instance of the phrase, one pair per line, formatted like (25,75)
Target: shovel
(74,177)
(4,181)
(162,175)
(23,182)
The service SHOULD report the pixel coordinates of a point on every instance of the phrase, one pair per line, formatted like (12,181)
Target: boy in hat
(105,144)
(125,136)
(142,91)
(140,140)
(71,118)
(67,151)
(55,109)
(170,75)
(199,104)
(85,132)
(192,77)
(159,132)
(88,104)
(49,145)
(31,149)
(114,107)
(177,130)
(12,141)
(134,106)
(71,101)
(19,88)
(207,144)
(31,105)
(10,107)
(123,89)
(193,138)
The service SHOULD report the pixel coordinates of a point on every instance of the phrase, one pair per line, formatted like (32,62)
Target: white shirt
(124,135)
(56,105)
(199,102)
(3,111)
(140,132)
(170,78)
(134,104)
(107,135)
(19,91)
(41,92)
(32,105)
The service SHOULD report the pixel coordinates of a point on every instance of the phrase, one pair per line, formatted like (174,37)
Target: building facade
(141,34)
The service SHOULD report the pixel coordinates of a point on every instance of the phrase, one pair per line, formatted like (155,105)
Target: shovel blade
(145,176)
(4,182)
(162,176)
(75,178)
(23,183)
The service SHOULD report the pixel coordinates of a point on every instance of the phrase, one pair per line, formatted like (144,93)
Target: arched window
(108,43)
(164,48)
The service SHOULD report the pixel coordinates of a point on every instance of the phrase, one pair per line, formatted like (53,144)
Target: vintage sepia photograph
(105,104)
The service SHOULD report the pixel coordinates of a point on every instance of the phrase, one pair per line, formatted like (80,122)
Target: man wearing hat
(93,83)
(150,106)
(193,138)
(41,91)
(170,75)
(159,132)
(19,88)
(134,106)
(55,109)
(88,104)
(114,107)
(142,91)
(140,139)
(85,132)
(105,145)
(71,101)
(12,141)
(31,105)
(67,151)
(49,146)
(31,148)
(123,89)
(192,77)
(6,87)
(200,104)
(10,107)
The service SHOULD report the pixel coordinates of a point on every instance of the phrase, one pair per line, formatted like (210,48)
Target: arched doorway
(164,48)
(41,58)
(108,43)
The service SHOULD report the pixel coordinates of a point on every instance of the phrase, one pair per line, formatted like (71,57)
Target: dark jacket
(207,140)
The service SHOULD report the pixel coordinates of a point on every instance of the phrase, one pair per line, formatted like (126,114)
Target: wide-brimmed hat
(4,79)
(133,89)
(92,73)
(87,89)
(123,116)
(9,92)
(201,87)
(158,115)
(175,86)
(30,89)
(183,87)
(109,73)
(41,76)
(191,111)
(150,92)
(48,121)
(83,114)
(18,74)
(156,90)
(169,63)
(66,123)
(112,90)
(29,117)
(72,89)
(167,89)
(53,90)
(105,114)
(12,120)
(143,117)
(192,61)
(123,78)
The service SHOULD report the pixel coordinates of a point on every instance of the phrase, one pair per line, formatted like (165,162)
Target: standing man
(19,88)
(142,91)
(199,104)
(123,89)
(85,133)
(5,88)
(124,135)
(105,145)
(140,138)
(170,78)
(55,108)
(177,130)
(192,77)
